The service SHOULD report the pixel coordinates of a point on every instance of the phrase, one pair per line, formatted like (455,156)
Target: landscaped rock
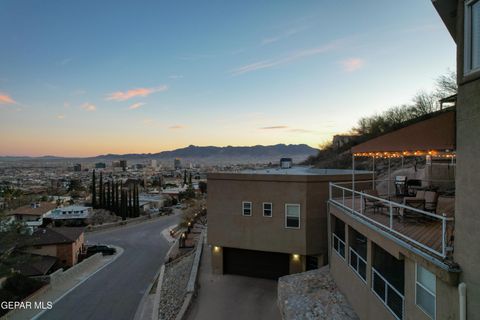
(312,295)
(174,286)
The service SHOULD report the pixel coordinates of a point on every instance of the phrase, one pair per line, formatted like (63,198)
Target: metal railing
(388,294)
(338,245)
(347,200)
(358,264)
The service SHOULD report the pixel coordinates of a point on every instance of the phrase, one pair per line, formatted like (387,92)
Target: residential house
(271,222)
(402,258)
(391,254)
(66,244)
(462,19)
(74,214)
(33,214)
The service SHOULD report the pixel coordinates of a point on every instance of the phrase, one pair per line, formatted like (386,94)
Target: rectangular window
(292,216)
(267,209)
(358,254)
(472,36)
(338,237)
(425,290)
(246,208)
(338,245)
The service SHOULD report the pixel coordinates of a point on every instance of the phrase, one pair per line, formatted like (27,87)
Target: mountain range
(202,154)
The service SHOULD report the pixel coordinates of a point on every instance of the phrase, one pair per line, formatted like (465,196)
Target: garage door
(258,264)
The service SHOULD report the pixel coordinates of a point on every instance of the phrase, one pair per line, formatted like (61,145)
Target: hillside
(199,154)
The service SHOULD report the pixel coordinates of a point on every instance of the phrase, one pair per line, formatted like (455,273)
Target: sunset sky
(80,78)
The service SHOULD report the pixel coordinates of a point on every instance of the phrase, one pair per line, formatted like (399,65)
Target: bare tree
(446,84)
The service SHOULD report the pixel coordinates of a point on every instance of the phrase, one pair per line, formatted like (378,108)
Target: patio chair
(415,203)
(370,202)
(431,199)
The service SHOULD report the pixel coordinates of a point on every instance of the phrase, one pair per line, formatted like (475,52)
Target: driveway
(115,291)
(232,297)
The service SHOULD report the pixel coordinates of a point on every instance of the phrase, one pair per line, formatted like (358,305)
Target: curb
(192,281)
(156,299)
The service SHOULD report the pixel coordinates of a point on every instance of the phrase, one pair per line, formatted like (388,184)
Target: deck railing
(388,294)
(347,198)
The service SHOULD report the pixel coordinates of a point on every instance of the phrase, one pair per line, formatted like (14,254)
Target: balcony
(430,233)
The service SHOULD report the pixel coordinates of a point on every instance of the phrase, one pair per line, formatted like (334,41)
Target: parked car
(104,249)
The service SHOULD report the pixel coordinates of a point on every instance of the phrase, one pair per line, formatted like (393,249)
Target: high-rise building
(100,165)
(177,164)
(153,163)
(123,164)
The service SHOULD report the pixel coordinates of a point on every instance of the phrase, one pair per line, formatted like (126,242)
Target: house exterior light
(295,257)
(216,249)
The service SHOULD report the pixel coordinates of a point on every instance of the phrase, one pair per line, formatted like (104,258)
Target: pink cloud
(136,105)
(88,107)
(274,127)
(6,99)
(176,127)
(352,64)
(138,92)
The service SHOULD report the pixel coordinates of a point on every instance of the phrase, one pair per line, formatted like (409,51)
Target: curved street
(115,291)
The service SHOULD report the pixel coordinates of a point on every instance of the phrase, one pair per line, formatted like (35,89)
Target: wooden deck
(423,230)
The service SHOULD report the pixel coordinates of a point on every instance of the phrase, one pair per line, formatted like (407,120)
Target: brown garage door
(258,264)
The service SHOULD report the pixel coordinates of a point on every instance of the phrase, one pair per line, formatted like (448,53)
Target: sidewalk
(232,297)
(57,290)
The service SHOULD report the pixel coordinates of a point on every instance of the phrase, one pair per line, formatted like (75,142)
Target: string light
(398,154)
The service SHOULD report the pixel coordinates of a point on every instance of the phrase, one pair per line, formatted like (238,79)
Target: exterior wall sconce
(216,249)
(295,257)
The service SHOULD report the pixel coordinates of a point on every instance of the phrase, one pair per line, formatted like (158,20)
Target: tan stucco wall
(359,293)
(217,260)
(227,227)
(366,305)
(467,213)
(467,205)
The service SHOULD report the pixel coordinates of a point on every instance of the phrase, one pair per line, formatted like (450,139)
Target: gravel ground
(174,286)
(312,295)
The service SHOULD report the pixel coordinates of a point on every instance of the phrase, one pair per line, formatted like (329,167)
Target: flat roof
(300,171)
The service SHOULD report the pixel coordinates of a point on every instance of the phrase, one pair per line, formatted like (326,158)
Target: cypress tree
(129,202)
(94,191)
(102,204)
(112,197)
(190,179)
(137,202)
(123,202)
(108,196)
(184,177)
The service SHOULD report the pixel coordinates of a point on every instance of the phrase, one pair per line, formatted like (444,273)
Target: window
(425,290)
(267,209)
(292,216)
(472,36)
(246,208)
(338,238)
(388,280)
(358,254)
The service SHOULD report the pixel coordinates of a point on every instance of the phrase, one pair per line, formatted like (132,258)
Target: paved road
(115,291)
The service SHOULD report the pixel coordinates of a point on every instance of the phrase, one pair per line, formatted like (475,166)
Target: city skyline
(119,77)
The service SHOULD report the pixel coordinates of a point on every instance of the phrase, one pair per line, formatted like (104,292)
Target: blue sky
(87,77)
